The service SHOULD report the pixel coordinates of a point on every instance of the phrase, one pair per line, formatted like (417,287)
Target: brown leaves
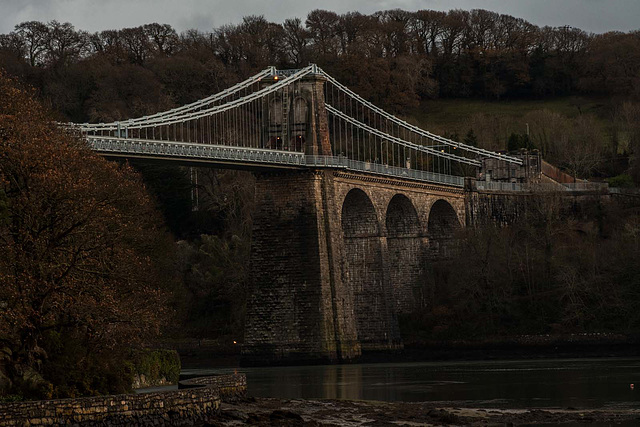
(78,240)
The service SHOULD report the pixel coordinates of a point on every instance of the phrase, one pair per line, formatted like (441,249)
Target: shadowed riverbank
(208,353)
(268,412)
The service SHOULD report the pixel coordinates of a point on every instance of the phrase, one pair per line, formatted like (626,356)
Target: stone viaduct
(336,256)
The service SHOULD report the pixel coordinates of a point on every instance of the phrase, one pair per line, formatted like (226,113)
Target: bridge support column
(299,311)
(318,132)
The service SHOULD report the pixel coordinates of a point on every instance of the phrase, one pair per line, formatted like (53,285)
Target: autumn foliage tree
(80,283)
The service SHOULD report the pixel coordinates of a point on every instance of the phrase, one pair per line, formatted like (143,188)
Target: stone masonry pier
(336,256)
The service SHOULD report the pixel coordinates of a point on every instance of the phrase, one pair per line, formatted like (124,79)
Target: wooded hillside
(394,58)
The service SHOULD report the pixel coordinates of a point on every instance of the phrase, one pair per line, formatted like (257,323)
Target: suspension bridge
(351,204)
(290,119)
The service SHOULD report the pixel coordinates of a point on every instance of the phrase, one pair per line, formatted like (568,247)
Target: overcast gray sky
(94,15)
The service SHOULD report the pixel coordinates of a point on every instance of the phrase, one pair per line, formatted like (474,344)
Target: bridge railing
(625,191)
(185,150)
(170,149)
(587,186)
(541,187)
(382,169)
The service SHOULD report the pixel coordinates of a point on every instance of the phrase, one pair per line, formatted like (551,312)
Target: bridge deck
(252,158)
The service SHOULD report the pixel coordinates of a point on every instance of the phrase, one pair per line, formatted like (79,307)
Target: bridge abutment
(298,311)
(335,258)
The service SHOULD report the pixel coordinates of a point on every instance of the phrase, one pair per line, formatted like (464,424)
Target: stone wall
(336,257)
(229,387)
(406,259)
(173,408)
(363,273)
(503,208)
(495,207)
(290,311)
(406,217)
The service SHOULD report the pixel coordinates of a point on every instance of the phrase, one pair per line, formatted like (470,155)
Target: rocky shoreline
(300,412)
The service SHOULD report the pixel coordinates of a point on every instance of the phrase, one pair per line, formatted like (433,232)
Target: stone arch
(442,226)
(363,273)
(274,124)
(402,217)
(359,218)
(405,251)
(299,119)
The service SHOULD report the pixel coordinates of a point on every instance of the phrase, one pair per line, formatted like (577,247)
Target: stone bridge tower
(336,256)
(297,118)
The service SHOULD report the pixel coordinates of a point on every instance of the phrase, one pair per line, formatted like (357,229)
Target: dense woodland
(394,58)
(525,278)
(564,267)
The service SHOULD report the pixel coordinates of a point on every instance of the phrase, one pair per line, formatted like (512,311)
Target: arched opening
(442,226)
(402,218)
(299,120)
(297,143)
(405,250)
(359,217)
(363,275)
(274,125)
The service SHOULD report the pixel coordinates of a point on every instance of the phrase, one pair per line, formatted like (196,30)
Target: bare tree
(64,45)
(163,38)
(322,26)
(136,44)
(582,152)
(34,36)
(296,41)
(428,27)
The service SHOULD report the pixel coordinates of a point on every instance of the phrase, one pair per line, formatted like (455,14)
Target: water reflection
(579,383)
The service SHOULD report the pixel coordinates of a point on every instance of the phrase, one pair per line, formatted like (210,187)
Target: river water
(546,383)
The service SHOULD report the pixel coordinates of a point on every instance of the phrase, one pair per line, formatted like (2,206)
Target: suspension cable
(212,110)
(188,107)
(399,141)
(399,122)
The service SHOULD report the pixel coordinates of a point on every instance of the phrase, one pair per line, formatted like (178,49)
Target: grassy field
(455,115)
